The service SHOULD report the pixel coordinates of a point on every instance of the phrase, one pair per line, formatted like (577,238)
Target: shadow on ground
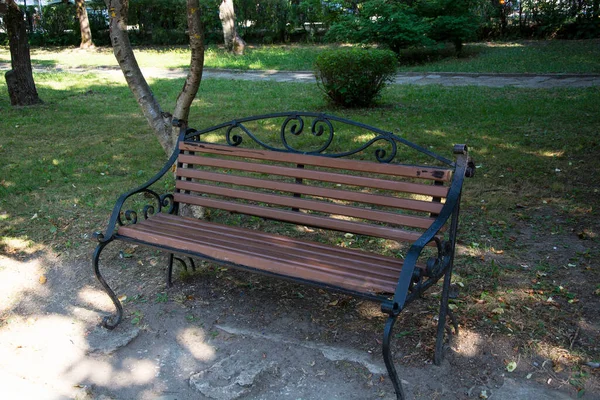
(220,334)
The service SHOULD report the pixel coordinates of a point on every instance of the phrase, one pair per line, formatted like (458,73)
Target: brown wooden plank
(199,227)
(326,262)
(421,172)
(324,176)
(321,272)
(310,190)
(261,262)
(309,205)
(277,245)
(302,218)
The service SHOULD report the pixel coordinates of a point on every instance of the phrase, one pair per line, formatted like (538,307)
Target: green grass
(552,56)
(281,57)
(65,165)
(557,56)
(534,199)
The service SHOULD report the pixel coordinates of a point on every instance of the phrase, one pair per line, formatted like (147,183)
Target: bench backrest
(391,201)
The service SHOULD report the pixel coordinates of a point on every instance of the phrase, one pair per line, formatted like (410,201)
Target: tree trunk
(19,80)
(159,120)
(233,41)
(192,82)
(84,25)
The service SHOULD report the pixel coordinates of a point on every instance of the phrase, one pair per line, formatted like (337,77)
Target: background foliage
(395,24)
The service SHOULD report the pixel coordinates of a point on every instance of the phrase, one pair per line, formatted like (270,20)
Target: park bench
(285,194)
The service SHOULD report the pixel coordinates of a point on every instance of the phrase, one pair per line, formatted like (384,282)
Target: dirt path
(411,78)
(221,335)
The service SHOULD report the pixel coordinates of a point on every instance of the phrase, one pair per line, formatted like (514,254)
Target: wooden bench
(307,191)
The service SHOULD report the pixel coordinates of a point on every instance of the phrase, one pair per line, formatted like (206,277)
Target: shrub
(60,20)
(391,24)
(354,77)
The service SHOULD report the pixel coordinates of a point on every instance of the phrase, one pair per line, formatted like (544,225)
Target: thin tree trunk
(192,82)
(19,80)
(84,25)
(233,41)
(159,120)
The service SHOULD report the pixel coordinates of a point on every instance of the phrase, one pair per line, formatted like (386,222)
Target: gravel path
(544,81)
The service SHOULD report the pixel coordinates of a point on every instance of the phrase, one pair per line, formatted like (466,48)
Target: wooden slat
(301,218)
(259,239)
(325,259)
(310,190)
(345,268)
(323,176)
(420,172)
(309,205)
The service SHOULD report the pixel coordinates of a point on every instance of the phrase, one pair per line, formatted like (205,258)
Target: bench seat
(357,271)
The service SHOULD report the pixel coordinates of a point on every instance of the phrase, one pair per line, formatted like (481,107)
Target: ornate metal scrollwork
(164,203)
(318,127)
(380,153)
(435,265)
(324,130)
(131,216)
(236,140)
(148,211)
(294,126)
(167,202)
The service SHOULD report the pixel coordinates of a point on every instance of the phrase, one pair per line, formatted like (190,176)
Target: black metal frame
(410,284)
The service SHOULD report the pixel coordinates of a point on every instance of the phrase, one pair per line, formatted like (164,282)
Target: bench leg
(183,264)
(170,270)
(107,322)
(444,312)
(387,358)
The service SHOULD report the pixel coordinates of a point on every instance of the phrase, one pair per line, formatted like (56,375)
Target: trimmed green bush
(354,77)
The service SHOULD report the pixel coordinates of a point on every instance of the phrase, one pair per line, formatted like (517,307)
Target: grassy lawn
(281,57)
(502,57)
(533,144)
(530,225)
(552,56)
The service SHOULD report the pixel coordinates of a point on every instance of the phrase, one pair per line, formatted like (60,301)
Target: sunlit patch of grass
(268,57)
(555,56)
(17,245)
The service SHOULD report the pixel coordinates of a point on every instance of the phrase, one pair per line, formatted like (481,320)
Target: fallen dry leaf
(511,366)
(557,367)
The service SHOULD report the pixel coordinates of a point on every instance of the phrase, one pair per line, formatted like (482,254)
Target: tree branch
(194,77)
(158,120)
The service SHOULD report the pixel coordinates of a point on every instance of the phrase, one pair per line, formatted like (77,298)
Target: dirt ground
(224,334)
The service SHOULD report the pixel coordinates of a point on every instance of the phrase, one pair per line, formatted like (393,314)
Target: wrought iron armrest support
(165,200)
(463,168)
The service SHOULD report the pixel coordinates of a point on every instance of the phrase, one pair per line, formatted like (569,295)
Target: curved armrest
(463,166)
(115,218)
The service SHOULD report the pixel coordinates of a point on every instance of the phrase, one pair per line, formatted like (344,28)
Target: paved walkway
(546,81)
(445,79)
